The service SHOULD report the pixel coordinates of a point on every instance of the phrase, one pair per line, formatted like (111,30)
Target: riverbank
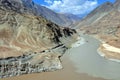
(107,50)
(80,41)
(87,60)
(80,63)
(110,52)
(67,73)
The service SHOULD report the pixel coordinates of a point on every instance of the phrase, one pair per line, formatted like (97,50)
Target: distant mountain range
(96,14)
(117,4)
(61,19)
(99,13)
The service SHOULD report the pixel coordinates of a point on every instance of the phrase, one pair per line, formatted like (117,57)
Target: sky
(77,7)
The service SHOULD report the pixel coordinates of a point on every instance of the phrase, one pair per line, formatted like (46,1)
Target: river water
(87,60)
(80,63)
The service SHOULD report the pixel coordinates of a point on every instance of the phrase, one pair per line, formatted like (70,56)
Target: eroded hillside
(29,43)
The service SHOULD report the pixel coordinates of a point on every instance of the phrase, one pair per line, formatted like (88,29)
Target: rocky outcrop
(29,43)
(32,62)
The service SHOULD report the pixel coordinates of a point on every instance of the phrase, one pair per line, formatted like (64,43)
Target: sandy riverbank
(109,52)
(111,48)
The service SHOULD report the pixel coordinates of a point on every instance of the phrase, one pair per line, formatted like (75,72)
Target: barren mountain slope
(60,19)
(117,4)
(96,14)
(29,43)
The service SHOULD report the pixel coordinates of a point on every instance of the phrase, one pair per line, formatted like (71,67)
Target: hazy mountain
(69,18)
(96,14)
(117,4)
(30,43)
(60,19)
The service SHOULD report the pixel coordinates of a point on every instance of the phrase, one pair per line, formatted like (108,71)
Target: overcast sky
(77,7)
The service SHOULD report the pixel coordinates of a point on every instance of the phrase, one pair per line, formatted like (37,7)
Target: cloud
(48,1)
(74,6)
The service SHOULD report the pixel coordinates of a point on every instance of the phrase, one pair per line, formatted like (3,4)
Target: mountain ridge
(60,19)
(96,14)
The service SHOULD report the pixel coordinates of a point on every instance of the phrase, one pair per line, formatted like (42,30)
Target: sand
(104,55)
(110,52)
(111,48)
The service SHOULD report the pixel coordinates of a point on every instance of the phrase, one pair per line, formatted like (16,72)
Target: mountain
(107,30)
(96,14)
(60,19)
(69,18)
(29,43)
(117,4)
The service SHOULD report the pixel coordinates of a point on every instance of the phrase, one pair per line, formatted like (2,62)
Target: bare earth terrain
(30,43)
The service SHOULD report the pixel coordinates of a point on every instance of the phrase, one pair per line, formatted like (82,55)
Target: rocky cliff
(28,42)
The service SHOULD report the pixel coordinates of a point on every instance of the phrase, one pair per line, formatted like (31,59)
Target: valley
(38,43)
